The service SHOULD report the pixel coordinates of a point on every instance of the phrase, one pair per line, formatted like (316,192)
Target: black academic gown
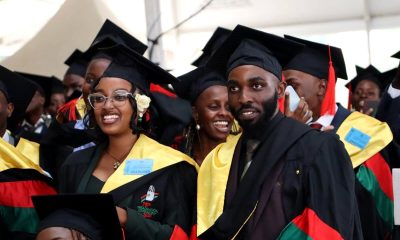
(296,172)
(373,226)
(159,217)
(389,111)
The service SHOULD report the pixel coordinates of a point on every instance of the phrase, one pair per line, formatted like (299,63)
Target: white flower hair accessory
(142,103)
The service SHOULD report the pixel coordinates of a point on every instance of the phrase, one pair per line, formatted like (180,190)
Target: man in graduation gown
(368,141)
(389,107)
(280,179)
(20,175)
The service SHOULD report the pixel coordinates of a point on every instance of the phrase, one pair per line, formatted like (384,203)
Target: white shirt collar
(325,120)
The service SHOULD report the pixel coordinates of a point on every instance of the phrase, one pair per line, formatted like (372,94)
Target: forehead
(250,72)
(367,83)
(110,84)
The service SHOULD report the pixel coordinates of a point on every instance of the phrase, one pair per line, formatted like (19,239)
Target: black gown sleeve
(179,204)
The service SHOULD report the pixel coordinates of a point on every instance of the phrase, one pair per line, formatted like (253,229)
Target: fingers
(327,128)
(369,111)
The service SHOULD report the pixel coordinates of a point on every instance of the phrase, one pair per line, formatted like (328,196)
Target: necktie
(251,146)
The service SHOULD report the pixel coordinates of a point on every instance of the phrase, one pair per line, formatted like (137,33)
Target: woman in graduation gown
(211,119)
(153,185)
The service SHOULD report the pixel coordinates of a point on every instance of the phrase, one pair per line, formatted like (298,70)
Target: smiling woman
(212,120)
(146,178)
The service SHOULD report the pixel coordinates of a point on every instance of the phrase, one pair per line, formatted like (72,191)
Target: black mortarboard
(193,83)
(94,215)
(135,68)
(396,55)
(44,83)
(247,46)
(111,35)
(216,40)
(370,73)
(77,64)
(18,91)
(314,59)
(387,77)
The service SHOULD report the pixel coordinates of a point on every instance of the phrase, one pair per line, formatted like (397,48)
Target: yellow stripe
(146,148)
(29,149)
(379,132)
(10,157)
(247,219)
(211,183)
(81,107)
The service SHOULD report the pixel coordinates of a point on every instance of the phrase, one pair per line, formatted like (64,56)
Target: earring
(197,127)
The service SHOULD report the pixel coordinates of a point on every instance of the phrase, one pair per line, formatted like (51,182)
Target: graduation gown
(20,178)
(300,184)
(155,184)
(373,153)
(389,111)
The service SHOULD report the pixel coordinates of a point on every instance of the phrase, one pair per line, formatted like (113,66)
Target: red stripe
(381,170)
(314,227)
(18,193)
(193,233)
(156,88)
(178,234)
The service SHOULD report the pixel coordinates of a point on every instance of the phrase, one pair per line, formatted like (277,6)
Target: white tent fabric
(73,26)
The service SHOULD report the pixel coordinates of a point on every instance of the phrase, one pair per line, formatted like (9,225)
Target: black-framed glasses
(118,99)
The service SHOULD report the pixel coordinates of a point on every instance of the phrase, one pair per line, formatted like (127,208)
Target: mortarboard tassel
(349,103)
(281,101)
(159,89)
(329,104)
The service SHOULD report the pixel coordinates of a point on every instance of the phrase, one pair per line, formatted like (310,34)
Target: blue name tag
(357,138)
(138,166)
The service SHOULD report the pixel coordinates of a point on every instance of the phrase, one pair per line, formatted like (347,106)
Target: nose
(108,103)
(244,97)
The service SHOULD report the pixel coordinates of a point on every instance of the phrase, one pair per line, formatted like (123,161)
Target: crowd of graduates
(121,149)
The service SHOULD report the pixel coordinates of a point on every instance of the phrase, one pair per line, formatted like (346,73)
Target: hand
(368,112)
(301,113)
(122,216)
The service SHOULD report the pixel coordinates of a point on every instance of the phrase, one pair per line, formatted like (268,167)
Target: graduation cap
(370,73)
(324,62)
(193,83)
(109,36)
(77,64)
(135,68)
(93,215)
(19,91)
(216,40)
(396,55)
(46,85)
(247,46)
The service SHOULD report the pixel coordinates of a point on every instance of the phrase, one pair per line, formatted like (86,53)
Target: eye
(97,98)
(120,97)
(257,86)
(213,106)
(89,80)
(233,89)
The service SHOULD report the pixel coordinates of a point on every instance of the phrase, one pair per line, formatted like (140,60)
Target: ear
(322,85)
(195,114)
(281,86)
(10,109)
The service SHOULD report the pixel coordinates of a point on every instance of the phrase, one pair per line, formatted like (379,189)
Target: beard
(269,108)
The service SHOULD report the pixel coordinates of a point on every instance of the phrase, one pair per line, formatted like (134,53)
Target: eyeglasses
(118,98)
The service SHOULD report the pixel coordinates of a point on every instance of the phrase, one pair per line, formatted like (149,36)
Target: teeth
(106,117)
(221,123)
(247,113)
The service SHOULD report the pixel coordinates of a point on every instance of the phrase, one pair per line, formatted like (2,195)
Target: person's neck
(202,146)
(119,146)
(34,116)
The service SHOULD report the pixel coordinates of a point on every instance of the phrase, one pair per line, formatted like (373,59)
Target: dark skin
(73,82)
(6,110)
(95,69)
(366,90)
(211,112)
(60,233)
(249,87)
(35,108)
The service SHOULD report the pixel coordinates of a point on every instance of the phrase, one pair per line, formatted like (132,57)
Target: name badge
(357,138)
(138,166)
